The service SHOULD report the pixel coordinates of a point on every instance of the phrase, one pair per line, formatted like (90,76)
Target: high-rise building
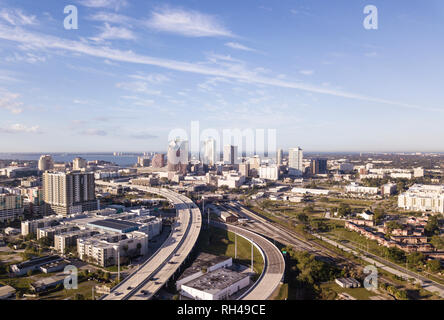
(318,166)
(295,159)
(11,206)
(280,156)
(46,163)
(209,156)
(230,154)
(178,157)
(68,193)
(158,161)
(79,164)
(143,161)
(244,169)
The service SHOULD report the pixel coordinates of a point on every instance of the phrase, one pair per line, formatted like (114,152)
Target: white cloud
(10,101)
(138,87)
(20,128)
(110,32)
(306,72)
(16,17)
(109,4)
(237,72)
(238,46)
(28,57)
(110,17)
(187,23)
(155,78)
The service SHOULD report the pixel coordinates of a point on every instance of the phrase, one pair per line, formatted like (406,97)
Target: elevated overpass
(274,263)
(153,274)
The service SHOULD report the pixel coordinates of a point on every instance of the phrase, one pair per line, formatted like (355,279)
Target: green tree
(432,227)
(434,265)
(344,210)
(415,259)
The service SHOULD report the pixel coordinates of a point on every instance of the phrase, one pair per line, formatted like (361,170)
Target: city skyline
(133,72)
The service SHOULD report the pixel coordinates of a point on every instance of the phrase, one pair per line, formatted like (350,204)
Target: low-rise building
(216,285)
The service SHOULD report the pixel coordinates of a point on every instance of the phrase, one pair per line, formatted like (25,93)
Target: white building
(209,156)
(46,163)
(232,180)
(389,189)
(355,188)
(269,173)
(295,161)
(311,191)
(418,172)
(216,285)
(401,175)
(103,250)
(423,198)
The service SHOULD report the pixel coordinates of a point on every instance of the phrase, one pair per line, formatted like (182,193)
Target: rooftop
(122,226)
(203,260)
(216,281)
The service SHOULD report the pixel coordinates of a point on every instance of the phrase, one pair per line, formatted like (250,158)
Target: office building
(318,166)
(244,169)
(79,164)
(355,188)
(280,157)
(178,157)
(143,161)
(230,154)
(428,198)
(295,161)
(158,161)
(209,154)
(269,172)
(46,163)
(68,193)
(11,206)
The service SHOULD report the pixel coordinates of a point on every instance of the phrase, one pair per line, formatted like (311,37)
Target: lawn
(220,242)
(358,293)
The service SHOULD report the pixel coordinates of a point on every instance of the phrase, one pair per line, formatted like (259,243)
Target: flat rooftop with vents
(114,225)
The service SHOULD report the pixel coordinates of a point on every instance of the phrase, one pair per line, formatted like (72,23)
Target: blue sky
(134,70)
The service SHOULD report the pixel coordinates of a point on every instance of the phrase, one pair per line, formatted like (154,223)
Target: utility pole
(208,218)
(235,246)
(93,293)
(252,257)
(118,265)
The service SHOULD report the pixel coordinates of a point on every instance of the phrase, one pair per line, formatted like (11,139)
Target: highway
(274,263)
(276,232)
(153,274)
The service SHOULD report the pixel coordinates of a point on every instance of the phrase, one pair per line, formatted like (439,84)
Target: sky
(135,70)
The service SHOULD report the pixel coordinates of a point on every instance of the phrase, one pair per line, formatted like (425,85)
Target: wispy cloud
(20,128)
(238,46)
(110,17)
(108,4)
(114,33)
(306,72)
(155,78)
(187,23)
(16,17)
(138,87)
(10,101)
(237,72)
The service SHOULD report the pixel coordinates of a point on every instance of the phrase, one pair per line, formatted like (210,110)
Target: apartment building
(427,198)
